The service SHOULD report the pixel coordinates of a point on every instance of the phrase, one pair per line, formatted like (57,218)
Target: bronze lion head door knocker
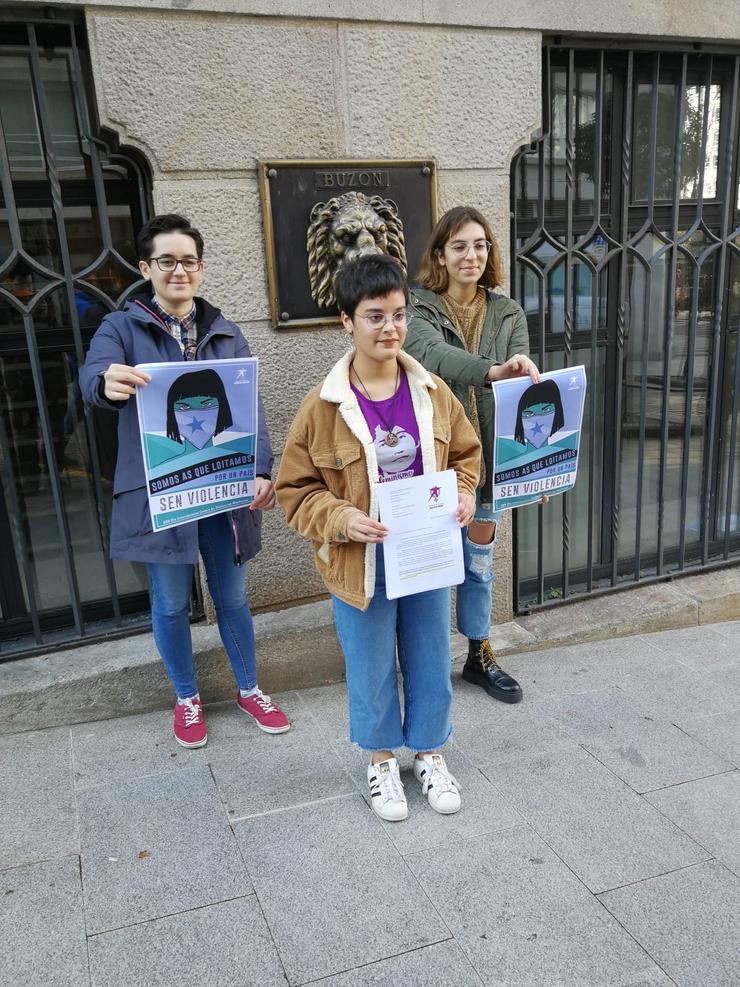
(344,228)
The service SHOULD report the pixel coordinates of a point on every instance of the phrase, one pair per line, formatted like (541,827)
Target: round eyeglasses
(459,248)
(378,320)
(169,264)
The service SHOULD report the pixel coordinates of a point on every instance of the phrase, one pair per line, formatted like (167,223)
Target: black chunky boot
(481,668)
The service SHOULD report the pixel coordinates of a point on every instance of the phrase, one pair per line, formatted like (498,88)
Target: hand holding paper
(423,548)
(465,511)
(361,528)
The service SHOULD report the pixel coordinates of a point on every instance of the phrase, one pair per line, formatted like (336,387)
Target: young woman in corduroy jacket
(379,416)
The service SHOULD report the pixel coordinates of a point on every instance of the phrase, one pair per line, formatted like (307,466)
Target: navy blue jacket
(137,335)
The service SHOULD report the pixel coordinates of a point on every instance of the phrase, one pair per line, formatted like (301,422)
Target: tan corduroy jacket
(329,469)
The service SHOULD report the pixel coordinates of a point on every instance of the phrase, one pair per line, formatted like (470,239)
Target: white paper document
(423,549)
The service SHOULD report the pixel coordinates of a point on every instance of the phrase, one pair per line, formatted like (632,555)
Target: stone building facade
(204,89)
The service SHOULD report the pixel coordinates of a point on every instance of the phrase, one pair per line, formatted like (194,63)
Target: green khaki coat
(433,340)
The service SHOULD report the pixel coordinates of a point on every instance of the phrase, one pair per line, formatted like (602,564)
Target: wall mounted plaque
(320,214)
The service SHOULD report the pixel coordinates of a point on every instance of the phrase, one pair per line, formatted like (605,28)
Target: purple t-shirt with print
(402,460)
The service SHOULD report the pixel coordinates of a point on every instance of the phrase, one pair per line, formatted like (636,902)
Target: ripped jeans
(474,596)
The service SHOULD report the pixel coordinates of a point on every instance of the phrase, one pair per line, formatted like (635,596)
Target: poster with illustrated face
(198,426)
(537,434)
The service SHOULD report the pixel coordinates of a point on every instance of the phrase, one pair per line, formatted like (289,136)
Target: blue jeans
(419,626)
(474,596)
(171,590)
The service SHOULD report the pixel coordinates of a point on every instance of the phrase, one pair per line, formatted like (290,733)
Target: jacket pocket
(341,469)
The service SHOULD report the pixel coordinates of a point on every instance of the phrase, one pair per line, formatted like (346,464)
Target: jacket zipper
(237,544)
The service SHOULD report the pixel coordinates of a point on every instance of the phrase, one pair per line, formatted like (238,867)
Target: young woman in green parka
(461,329)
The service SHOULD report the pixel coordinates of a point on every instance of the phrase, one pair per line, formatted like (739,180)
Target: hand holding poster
(198,425)
(537,431)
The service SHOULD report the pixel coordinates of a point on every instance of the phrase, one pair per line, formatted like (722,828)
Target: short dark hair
(546,392)
(193,384)
(167,223)
(370,276)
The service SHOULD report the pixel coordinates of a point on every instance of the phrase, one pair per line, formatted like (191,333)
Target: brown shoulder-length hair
(433,275)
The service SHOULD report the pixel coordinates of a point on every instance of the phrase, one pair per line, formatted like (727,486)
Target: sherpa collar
(337,389)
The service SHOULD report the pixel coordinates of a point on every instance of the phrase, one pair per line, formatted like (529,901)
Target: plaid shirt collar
(184,330)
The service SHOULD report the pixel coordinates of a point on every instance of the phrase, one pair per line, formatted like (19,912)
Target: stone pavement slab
(486,810)
(37,803)
(676,693)
(328,708)
(43,925)
(576,668)
(156,846)
(485,729)
(334,891)
(599,827)
(719,732)
(282,779)
(442,965)
(227,944)
(730,629)
(132,747)
(709,811)
(523,919)
(697,647)
(687,921)
(644,751)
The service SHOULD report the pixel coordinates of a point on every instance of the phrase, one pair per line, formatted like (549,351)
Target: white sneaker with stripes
(439,786)
(386,790)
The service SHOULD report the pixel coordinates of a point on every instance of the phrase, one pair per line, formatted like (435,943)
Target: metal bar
(686,449)
(643,403)
(541,299)
(56,489)
(58,209)
(709,488)
(646,315)
(704,134)
(621,328)
(103,523)
(22,543)
(6,182)
(688,419)
(732,143)
(670,303)
(568,281)
(595,284)
(653,137)
(598,138)
(75,70)
(734,414)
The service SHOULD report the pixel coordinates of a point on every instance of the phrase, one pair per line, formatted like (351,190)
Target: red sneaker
(190,728)
(263,710)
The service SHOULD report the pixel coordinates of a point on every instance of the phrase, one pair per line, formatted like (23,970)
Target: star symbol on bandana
(196,425)
(537,429)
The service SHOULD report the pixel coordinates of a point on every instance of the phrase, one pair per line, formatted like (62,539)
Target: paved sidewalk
(598,843)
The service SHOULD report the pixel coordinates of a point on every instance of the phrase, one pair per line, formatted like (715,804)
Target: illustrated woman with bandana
(197,409)
(539,414)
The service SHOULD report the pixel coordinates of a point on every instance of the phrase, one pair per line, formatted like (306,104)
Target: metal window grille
(70,203)
(626,257)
